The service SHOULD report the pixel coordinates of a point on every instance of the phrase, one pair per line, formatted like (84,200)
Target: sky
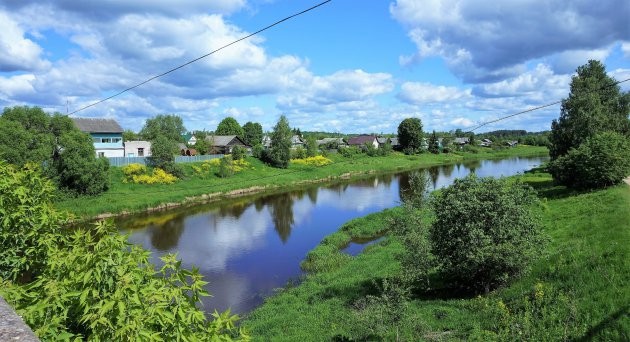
(350,66)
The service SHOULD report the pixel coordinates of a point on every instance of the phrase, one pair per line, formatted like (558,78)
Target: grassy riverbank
(577,290)
(125,197)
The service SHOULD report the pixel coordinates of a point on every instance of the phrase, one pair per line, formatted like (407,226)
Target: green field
(577,290)
(125,197)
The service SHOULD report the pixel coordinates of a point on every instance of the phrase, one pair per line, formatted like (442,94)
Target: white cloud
(484,41)
(462,122)
(540,83)
(420,93)
(18,53)
(566,62)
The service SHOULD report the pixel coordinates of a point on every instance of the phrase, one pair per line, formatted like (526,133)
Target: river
(250,246)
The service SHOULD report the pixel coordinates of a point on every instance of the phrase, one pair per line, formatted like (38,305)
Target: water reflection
(249,246)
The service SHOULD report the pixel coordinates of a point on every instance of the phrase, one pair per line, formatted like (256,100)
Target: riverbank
(124,198)
(577,290)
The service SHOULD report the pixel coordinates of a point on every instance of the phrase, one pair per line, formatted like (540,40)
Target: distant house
(461,141)
(329,141)
(137,148)
(106,134)
(512,143)
(296,141)
(395,143)
(189,139)
(224,144)
(485,143)
(382,141)
(266,142)
(185,151)
(361,140)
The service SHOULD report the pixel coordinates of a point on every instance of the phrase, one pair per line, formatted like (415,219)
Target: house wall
(131,148)
(108,149)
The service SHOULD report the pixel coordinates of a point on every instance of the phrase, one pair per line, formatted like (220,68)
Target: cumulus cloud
(18,53)
(420,93)
(484,41)
(532,83)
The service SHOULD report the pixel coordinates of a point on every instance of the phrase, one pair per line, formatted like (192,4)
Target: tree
(202,146)
(459,133)
(311,146)
(76,168)
(485,231)
(594,105)
(229,126)
(167,126)
(434,144)
(279,153)
(163,151)
(471,139)
(410,135)
(252,133)
(600,161)
(129,135)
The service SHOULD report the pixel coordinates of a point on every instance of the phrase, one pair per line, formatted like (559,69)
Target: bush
(158,176)
(385,150)
(485,231)
(298,153)
(471,149)
(82,284)
(225,167)
(350,151)
(370,150)
(257,151)
(312,161)
(238,153)
(601,161)
(134,170)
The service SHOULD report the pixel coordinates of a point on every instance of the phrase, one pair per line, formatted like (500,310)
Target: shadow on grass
(607,322)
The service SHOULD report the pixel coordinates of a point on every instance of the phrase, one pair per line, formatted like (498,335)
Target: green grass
(127,198)
(578,289)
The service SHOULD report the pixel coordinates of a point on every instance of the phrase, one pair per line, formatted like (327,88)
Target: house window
(97,140)
(101,154)
(106,140)
(140,152)
(116,140)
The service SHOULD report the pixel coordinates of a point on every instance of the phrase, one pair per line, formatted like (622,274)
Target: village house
(137,148)
(185,151)
(362,140)
(512,143)
(461,141)
(332,141)
(189,139)
(486,143)
(382,141)
(224,144)
(106,135)
(296,142)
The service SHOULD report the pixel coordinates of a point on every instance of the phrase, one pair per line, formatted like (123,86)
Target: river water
(250,246)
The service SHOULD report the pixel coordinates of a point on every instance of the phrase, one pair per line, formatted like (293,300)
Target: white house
(137,148)
(106,134)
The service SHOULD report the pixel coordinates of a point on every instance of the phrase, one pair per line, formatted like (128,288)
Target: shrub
(471,149)
(134,170)
(85,284)
(370,150)
(257,151)
(298,153)
(225,167)
(485,231)
(385,150)
(238,153)
(312,161)
(158,176)
(350,151)
(601,161)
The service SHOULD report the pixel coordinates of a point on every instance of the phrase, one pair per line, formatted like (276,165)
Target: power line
(202,57)
(543,106)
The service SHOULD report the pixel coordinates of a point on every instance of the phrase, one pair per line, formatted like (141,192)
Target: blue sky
(349,66)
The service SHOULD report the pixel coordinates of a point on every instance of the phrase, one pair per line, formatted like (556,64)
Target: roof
(97,125)
(331,140)
(223,140)
(361,139)
(188,136)
(394,141)
(461,140)
(382,140)
(296,140)
(182,146)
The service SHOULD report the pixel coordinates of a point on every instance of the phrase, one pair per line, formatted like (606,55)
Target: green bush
(257,151)
(238,153)
(226,169)
(298,153)
(350,151)
(485,231)
(601,161)
(80,284)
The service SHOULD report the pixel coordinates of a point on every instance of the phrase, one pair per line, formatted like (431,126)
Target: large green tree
(129,135)
(279,153)
(410,135)
(229,126)
(253,133)
(595,104)
(434,143)
(168,126)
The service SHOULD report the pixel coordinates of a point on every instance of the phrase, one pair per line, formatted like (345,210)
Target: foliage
(311,146)
(410,135)
(370,150)
(129,135)
(594,105)
(350,151)
(134,170)
(225,167)
(280,151)
(229,126)
(472,139)
(298,153)
(163,151)
(385,149)
(76,168)
(434,144)
(202,146)
(92,284)
(158,176)
(252,133)
(601,161)
(166,127)
(257,151)
(485,231)
(312,161)
(238,153)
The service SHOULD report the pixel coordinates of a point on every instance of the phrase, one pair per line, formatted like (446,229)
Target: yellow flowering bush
(134,170)
(214,165)
(312,161)
(158,176)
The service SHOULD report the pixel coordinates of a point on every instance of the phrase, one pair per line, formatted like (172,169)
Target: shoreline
(211,197)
